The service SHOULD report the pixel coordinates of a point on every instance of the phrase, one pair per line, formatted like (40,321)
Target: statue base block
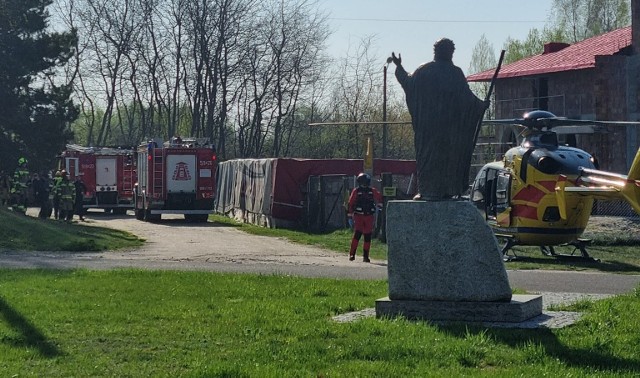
(443,251)
(519,309)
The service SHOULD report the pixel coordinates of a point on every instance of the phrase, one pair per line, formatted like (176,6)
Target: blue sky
(410,27)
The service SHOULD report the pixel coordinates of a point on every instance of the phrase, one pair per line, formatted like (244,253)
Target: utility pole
(385,135)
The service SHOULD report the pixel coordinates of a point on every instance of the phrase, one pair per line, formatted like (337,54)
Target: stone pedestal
(444,262)
(518,309)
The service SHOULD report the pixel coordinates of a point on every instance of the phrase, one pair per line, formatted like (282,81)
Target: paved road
(530,280)
(174,244)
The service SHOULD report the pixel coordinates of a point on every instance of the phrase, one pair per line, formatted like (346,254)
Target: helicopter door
(479,191)
(483,192)
(502,198)
(497,199)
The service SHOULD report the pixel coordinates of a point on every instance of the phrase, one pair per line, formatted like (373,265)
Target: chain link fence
(614,208)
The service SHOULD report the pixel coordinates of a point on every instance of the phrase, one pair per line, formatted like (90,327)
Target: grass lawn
(24,233)
(199,324)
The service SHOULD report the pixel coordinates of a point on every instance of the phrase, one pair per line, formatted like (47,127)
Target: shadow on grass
(592,359)
(30,335)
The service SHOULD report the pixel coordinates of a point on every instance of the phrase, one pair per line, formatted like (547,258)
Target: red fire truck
(176,177)
(108,174)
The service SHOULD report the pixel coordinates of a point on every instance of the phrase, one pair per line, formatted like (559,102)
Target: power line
(436,21)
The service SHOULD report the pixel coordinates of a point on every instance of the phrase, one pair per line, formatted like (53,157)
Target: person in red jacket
(364,201)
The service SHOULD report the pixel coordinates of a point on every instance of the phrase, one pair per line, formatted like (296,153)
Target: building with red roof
(598,78)
(563,57)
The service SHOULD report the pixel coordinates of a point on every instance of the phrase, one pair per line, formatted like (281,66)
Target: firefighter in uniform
(21,179)
(5,189)
(53,194)
(41,188)
(66,192)
(364,201)
(80,188)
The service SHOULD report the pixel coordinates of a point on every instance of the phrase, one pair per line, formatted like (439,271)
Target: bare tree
(295,40)
(115,31)
(581,19)
(107,29)
(221,69)
(356,97)
(283,53)
(66,12)
(216,35)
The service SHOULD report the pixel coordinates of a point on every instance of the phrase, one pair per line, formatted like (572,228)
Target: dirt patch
(603,228)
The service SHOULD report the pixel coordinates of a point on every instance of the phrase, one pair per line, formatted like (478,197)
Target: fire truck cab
(107,173)
(175,177)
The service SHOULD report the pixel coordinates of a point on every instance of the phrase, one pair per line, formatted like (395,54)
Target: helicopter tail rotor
(602,185)
(631,190)
(560,196)
(634,172)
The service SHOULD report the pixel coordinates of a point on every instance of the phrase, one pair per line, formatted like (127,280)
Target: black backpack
(365,203)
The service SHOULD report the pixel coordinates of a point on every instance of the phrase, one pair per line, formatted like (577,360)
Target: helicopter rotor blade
(514,121)
(549,123)
(623,123)
(571,122)
(351,123)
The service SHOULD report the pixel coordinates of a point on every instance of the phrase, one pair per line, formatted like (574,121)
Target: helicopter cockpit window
(483,195)
(503,186)
(479,184)
(549,139)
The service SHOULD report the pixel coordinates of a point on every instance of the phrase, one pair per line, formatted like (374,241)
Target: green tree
(36,108)
(581,19)
(532,45)
(572,21)
(483,57)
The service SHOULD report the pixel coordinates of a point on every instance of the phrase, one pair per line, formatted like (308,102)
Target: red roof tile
(578,56)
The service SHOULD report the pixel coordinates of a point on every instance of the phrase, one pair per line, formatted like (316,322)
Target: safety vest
(65,190)
(20,180)
(365,202)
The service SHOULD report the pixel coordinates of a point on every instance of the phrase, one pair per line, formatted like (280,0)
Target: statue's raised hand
(397,60)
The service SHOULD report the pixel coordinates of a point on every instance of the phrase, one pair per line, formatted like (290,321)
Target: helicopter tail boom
(603,185)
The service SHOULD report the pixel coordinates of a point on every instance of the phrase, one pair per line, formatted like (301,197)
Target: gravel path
(175,244)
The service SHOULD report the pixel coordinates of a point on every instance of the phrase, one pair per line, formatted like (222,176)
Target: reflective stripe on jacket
(20,180)
(66,191)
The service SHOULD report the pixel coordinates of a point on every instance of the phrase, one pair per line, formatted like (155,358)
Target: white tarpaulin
(275,192)
(244,190)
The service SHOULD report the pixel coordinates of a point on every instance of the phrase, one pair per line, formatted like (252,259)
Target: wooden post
(388,194)
(368,155)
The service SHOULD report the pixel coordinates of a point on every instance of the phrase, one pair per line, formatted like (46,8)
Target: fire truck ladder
(158,172)
(127,174)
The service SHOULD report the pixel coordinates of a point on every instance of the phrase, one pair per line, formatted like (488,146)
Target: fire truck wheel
(196,218)
(151,217)
(139,214)
(120,211)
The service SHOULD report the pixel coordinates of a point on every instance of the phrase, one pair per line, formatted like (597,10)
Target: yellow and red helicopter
(542,193)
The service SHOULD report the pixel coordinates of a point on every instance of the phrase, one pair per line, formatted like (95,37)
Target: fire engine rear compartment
(175,180)
(108,174)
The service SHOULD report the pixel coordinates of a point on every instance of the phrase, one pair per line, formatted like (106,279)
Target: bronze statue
(444,114)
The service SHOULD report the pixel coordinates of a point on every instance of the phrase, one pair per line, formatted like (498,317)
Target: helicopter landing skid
(508,245)
(578,245)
